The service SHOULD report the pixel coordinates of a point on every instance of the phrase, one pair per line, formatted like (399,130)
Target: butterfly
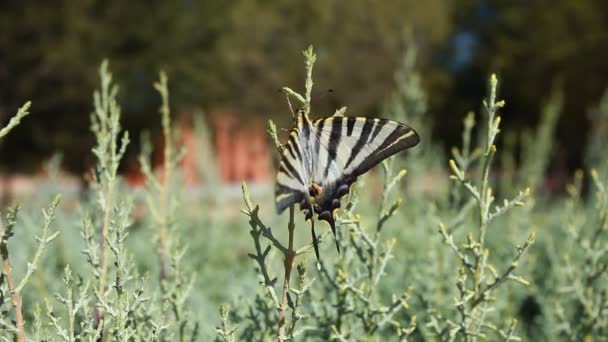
(323,158)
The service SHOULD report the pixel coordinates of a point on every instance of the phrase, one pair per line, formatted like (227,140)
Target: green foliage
(478,278)
(105,125)
(259,229)
(598,137)
(539,146)
(361,309)
(358,310)
(111,300)
(519,41)
(15,120)
(215,49)
(581,314)
(9,287)
(444,265)
(408,103)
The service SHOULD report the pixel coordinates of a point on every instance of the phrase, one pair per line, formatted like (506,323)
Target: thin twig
(161,87)
(16,120)
(7,274)
(43,240)
(290,255)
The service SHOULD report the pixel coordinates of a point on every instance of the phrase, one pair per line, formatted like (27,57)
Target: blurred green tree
(531,45)
(235,56)
(222,55)
(49,52)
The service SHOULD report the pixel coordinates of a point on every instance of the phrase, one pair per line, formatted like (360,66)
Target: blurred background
(228,59)
(425,63)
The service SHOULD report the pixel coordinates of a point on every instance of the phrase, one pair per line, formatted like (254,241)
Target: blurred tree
(49,52)
(233,55)
(531,44)
(236,55)
(358,44)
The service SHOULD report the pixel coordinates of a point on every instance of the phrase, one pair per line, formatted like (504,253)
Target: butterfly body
(324,157)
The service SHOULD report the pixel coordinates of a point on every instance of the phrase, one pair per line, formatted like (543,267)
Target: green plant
(105,125)
(9,288)
(478,278)
(259,229)
(408,103)
(395,278)
(583,295)
(114,301)
(22,112)
(354,278)
(539,146)
(594,154)
(163,197)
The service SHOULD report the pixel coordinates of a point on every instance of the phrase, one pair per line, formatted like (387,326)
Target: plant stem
(104,254)
(290,256)
(164,194)
(102,245)
(15,120)
(15,295)
(163,226)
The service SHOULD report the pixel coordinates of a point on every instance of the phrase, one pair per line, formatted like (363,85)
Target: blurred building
(237,152)
(242,152)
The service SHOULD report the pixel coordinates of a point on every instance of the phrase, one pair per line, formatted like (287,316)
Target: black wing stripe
(317,142)
(389,146)
(334,142)
(282,188)
(288,169)
(365,132)
(377,128)
(320,125)
(295,148)
(350,125)
(290,149)
(392,137)
(286,196)
(304,125)
(306,128)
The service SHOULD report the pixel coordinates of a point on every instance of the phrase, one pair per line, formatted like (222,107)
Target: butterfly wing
(295,169)
(372,140)
(295,166)
(347,148)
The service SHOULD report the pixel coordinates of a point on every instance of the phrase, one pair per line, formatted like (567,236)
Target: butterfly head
(301,116)
(314,190)
(324,199)
(311,203)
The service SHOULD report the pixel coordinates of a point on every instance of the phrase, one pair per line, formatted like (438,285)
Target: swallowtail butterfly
(324,157)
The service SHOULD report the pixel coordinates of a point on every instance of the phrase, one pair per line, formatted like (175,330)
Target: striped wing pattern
(322,158)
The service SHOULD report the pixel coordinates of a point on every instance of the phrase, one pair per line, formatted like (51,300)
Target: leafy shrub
(444,264)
